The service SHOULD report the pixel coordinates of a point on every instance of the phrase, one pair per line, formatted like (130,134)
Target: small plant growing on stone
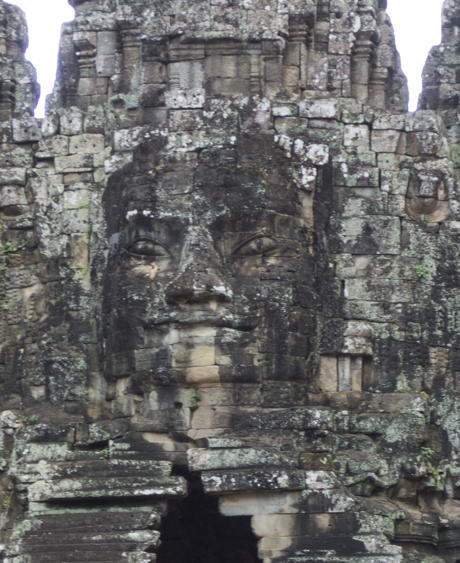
(31,419)
(106,453)
(426,453)
(437,476)
(8,247)
(421,271)
(195,397)
(424,394)
(6,502)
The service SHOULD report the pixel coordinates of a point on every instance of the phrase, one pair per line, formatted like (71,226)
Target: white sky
(417,24)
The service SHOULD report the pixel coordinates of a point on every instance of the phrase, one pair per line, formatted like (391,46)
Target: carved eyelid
(252,239)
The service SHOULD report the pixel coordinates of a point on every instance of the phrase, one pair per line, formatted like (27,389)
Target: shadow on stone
(194,531)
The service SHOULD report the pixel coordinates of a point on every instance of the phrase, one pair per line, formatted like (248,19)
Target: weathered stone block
(328,374)
(425,143)
(12,176)
(212,417)
(183,99)
(299,418)
(356,136)
(77,199)
(186,75)
(254,480)
(12,195)
(364,177)
(236,458)
(154,73)
(71,121)
(199,356)
(201,375)
(387,290)
(26,130)
(185,120)
(50,147)
(106,47)
(291,77)
(249,504)
(107,488)
(385,140)
(378,235)
(86,144)
(285,110)
(319,109)
(422,121)
(229,86)
(74,163)
(387,121)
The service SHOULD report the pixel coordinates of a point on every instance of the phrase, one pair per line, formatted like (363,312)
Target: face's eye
(258,246)
(146,247)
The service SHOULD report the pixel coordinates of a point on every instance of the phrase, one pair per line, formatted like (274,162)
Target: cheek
(249,268)
(139,279)
(134,288)
(149,271)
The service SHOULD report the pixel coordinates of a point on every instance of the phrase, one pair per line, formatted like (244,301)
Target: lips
(205,318)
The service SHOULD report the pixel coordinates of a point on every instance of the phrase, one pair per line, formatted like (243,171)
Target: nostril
(197,295)
(193,286)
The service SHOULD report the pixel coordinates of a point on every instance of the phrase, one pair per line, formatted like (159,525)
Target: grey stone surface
(229,272)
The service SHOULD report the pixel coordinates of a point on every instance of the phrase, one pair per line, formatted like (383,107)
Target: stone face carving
(427,198)
(210,262)
(229,271)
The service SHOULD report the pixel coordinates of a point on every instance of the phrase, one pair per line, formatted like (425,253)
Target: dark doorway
(194,531)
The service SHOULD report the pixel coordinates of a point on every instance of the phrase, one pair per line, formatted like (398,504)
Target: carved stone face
(209,276)
(427,198)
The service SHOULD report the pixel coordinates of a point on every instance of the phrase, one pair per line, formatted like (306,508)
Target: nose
(200,279)
(199,282)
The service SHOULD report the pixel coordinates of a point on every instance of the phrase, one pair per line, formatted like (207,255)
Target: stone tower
(230,278)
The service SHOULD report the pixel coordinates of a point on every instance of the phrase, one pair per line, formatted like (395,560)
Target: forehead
(246,180)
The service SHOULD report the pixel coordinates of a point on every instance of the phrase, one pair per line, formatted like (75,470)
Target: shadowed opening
(194,531)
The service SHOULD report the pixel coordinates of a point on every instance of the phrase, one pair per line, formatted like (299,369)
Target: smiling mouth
(205,318)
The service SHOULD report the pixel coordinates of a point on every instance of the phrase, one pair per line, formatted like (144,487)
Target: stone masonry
(230,306)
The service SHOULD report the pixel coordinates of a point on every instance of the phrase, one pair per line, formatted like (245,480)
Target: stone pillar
(378,88)
(361,67)
(131,49)
(85,50)
(254,69)
(295,64)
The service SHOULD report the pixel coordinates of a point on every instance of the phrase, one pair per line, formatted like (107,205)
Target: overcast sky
(417,24)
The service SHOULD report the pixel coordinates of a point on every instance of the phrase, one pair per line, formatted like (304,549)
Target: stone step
(328,557)
(108,487)
(78,554)
(52,540)
(91,521)
(330,547)
(75,545)
(263,479)
(89,536)
(102,467)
